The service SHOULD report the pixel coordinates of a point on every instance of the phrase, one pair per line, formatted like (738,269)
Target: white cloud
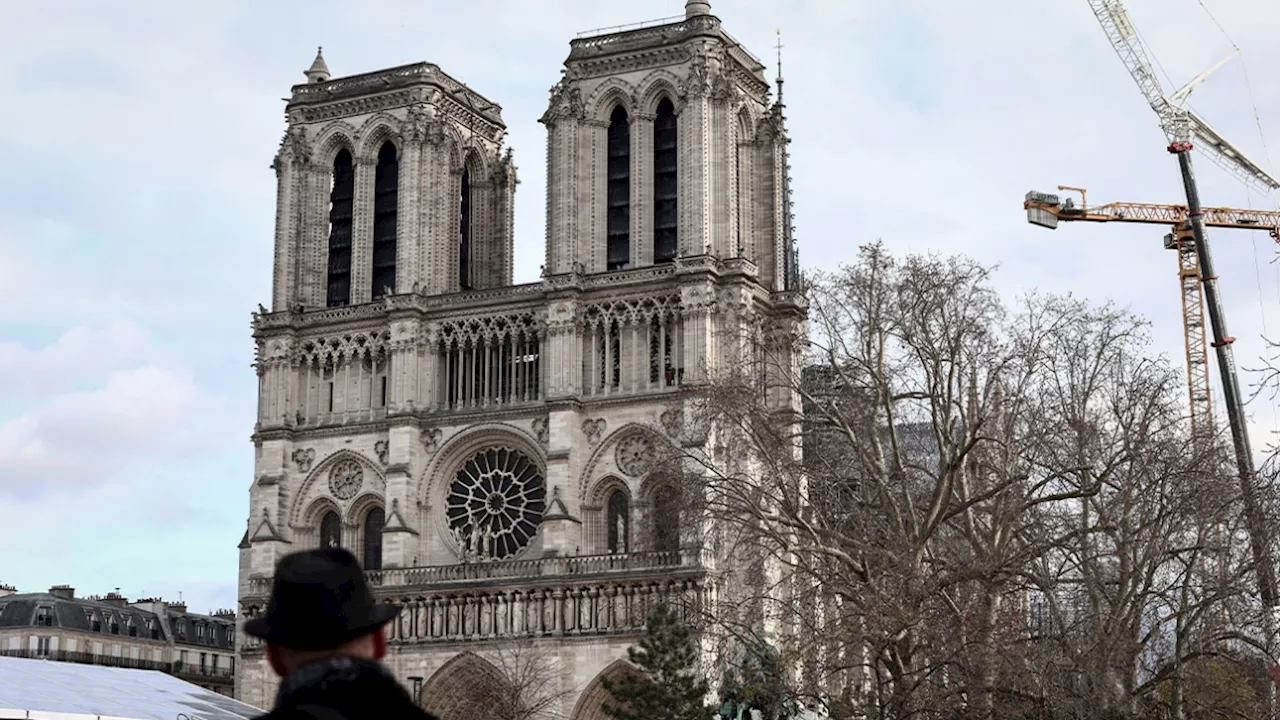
(86,437)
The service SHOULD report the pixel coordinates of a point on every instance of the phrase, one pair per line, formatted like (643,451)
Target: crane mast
(1181,127)
(1047,210)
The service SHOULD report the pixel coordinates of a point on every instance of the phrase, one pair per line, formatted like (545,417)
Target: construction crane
(1047,210)
(1181,126)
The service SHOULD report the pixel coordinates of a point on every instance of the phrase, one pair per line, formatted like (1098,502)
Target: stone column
(314,235)
(399,537)
(269,532)
(693,174)
(642,189)
(564,157)
(698,302)
(505,183)
(362,232)
(744,206)
(562,349)
(408,189)
(287,248)
(720,159)
(591,185)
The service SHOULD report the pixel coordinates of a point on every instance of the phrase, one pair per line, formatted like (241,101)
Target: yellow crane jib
(1050,209)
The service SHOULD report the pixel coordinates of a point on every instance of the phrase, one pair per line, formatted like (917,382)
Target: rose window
(495,504)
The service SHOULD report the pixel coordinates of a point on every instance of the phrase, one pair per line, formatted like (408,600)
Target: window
(666,519)
(115,625)
(152,629)
(95,622)
(330,530)
(665,201)
(618,167)
(384,391)
(43,645)
(204,661)
(200,631)
(44,617)
(385,209)
(340,205)
(464,231)
(609,357)
(181,630)
(619,522)
(373,524)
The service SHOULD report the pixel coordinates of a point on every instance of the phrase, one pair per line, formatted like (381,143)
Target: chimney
(224,614)
(180,606)
(66,592)
(115,599)
(7,590)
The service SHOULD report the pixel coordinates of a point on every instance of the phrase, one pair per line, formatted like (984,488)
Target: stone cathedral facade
(491,450)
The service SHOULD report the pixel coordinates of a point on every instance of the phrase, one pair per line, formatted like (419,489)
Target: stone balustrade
(548,597)
(435,576)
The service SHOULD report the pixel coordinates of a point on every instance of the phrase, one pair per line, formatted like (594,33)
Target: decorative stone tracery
(345,479)
(495,504)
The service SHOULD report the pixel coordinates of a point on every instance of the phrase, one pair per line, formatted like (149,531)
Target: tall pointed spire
(778,47)
(790,253)
(693,8)
(319,71)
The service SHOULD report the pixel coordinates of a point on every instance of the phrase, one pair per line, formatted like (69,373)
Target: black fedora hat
(319,600)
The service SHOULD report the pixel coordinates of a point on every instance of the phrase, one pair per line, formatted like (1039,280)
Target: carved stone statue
(622,535)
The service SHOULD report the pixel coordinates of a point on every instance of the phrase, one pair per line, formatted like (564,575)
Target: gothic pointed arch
(371,525)
(334,137)
(654,87)
(666,519)
(386,189)
(374,132)
(611,94)
(591,702)
(605,453)
(321,482)
(618,190)
(467,686)
(341,218)
(609,515)
(330,529)
(666,159)
(469,241)
(746,124)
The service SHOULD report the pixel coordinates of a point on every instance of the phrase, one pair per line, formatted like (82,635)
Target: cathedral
(493,451)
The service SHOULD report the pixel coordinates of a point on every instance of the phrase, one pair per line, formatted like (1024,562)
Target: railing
(89,659)
(193,670)
(83,658)
(613,30)
(555,567)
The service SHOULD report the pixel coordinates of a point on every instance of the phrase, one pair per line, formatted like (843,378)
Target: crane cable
(1266,154)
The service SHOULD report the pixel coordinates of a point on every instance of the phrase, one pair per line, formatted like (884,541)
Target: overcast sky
(136,208)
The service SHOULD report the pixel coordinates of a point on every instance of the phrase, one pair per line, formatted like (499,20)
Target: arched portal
(466,687)
(591,702)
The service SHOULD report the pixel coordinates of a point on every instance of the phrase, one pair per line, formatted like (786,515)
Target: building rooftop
(92,691)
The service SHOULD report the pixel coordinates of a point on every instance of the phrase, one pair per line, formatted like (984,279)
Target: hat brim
(262,628)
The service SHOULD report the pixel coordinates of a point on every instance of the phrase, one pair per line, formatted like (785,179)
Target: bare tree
(532,687)
(997,511)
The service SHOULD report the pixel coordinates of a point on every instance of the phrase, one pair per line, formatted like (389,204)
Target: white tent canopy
(48,690)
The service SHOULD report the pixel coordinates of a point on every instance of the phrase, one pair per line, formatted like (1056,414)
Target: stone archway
(591,702)
(466,687)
